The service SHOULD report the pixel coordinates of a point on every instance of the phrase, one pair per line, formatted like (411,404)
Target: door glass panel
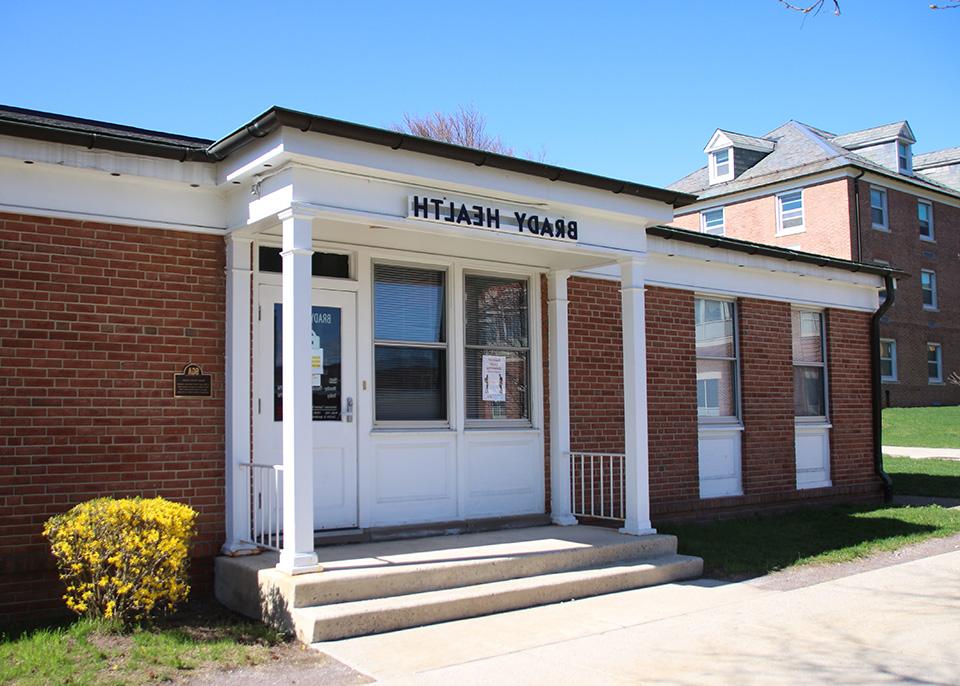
(325,363)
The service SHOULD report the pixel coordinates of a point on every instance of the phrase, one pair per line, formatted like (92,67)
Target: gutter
(856,209)
(877,386)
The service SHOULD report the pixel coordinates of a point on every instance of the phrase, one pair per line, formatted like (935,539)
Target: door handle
(348,413)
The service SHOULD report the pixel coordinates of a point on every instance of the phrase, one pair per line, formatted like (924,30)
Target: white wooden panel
(813,457)
(719,452)
(504,473)
(415,479)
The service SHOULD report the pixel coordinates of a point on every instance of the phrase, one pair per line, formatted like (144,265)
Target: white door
(334,375)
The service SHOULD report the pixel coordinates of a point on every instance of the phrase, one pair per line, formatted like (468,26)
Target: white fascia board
(92,195)
(61,155)
(691,267)
(253,159)
(333,153)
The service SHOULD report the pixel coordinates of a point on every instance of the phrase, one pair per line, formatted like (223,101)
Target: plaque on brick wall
(192,383)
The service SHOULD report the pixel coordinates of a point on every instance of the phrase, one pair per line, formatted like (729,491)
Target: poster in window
(494,376)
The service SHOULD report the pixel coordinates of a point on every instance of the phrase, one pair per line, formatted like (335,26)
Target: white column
(236,377)
(637,466)
(560,507)
(297,554)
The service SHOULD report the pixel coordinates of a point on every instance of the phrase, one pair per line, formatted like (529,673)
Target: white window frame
(938,379)
(935,306)
(932,238)
(446,345)
(885,226)
(500,422)
(892,342)
(714,176)
(723,221)
(907,157)
(803,217)
(824,418)
(736,420)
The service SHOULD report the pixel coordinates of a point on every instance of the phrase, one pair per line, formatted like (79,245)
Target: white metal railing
(265,521)
(597,485)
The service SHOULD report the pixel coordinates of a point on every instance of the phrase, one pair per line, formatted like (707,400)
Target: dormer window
(721,165)
(904,161)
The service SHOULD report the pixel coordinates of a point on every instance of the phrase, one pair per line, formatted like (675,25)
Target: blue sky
(626,89)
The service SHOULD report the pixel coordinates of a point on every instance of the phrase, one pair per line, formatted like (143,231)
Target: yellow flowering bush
(123,559)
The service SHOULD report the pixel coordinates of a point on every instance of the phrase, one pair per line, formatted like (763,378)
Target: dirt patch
(810,575)
(290,663)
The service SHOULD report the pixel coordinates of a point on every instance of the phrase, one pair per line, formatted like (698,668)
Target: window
(497,349)
(928,287)
(789,213)
(888,359)
(410,349)
(878,208)
(934,363)
(925,216)
(903,157)
(711,221)
(721,165)
(331,265)
(717,371)
(809,370)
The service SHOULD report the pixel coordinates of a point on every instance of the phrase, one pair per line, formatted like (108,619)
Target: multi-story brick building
(861,196)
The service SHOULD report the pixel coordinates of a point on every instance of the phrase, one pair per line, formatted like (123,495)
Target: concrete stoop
(376,587)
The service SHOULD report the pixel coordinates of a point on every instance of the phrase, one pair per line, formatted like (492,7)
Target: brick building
(469,338)
(862,196)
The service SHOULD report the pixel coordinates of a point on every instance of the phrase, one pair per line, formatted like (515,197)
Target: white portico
(365,326)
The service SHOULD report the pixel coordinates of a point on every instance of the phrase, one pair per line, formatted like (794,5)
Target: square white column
(297,554)
(559,364)
(237,395)
(637,481)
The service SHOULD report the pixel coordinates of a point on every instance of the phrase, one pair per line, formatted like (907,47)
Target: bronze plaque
(192,383)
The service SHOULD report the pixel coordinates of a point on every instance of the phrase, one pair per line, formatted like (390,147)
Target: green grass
(924,427)
(742,548)
(938,478)
(87,652)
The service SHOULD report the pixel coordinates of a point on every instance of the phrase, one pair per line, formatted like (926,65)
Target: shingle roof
(744,141)
(878,134)
(936,158)
(800,150)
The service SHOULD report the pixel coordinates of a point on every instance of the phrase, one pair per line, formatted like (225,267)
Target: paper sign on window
(494,376)
(316,360)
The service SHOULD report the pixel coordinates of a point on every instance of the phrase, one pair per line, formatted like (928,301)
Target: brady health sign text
(494,218)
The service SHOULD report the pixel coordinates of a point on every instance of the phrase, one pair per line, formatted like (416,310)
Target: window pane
(322,263)
(496,311)
(791,209)
(325,358)
(716,388)
(513,385)
(886,367)
(808,396)
(411,383)
(923,214)
(714,324)
(876,198)
(409,304)
(876,216)
(807,337)
(713,222)
(934,371)
(721,161)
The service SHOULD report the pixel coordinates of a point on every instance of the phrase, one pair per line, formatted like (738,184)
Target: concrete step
(389,613)
(485,561)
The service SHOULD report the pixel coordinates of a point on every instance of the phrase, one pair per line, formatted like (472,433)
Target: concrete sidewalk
(922,453)
(889,625)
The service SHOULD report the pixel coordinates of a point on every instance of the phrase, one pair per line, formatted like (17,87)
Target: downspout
(856,209)
(875,368)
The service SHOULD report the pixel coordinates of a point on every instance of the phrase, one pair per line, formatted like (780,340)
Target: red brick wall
(94,321)
(851,412)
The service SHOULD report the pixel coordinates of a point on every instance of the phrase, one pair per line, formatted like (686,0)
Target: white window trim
(935,307)
(939,378)
(723,220)
(803,213)
(885,226)
(736,421)
(932,238)
(908,170)
(714,177)
(893,358)
(500,423)
(824,419)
